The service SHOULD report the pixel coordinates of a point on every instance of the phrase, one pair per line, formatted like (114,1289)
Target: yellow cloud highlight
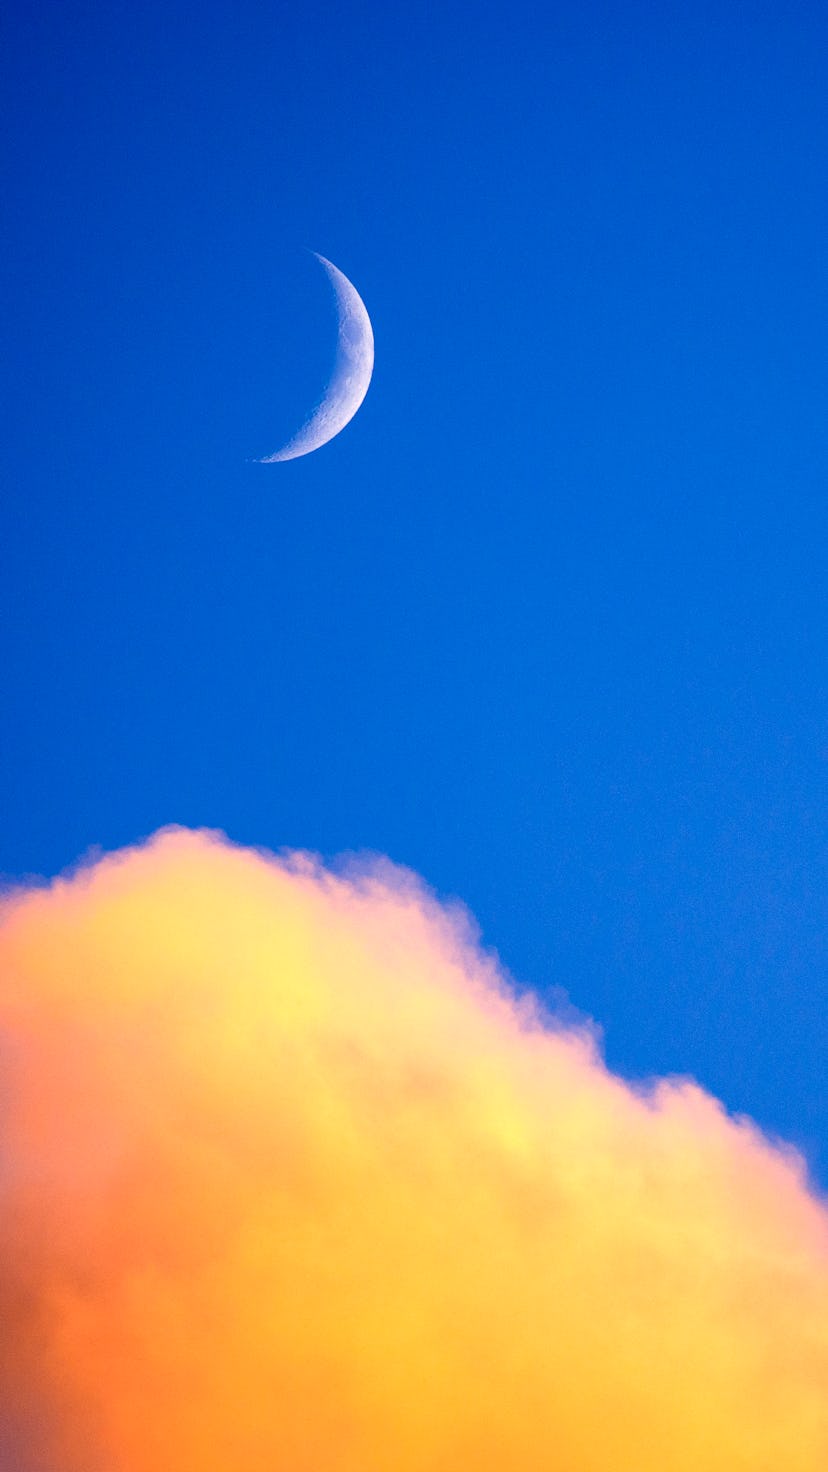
(291,1182)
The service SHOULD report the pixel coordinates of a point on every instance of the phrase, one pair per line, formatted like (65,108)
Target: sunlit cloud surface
(292,1182)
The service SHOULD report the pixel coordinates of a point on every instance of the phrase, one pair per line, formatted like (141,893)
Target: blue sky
(548,621)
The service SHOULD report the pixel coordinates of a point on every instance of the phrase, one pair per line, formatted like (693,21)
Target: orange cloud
(290,1180)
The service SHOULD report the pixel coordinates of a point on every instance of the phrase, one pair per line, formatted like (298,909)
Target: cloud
(291,1180)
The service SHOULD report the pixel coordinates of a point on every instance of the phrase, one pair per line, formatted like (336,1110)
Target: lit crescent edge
(351,375)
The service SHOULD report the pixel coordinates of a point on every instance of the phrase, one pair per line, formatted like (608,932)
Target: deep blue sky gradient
(548,621)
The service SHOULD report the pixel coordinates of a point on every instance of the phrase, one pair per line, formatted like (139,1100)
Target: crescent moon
(351,375)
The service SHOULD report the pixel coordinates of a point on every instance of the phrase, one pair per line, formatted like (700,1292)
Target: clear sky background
(548,621)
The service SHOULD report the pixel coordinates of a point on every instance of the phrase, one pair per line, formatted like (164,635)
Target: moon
(351,375)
